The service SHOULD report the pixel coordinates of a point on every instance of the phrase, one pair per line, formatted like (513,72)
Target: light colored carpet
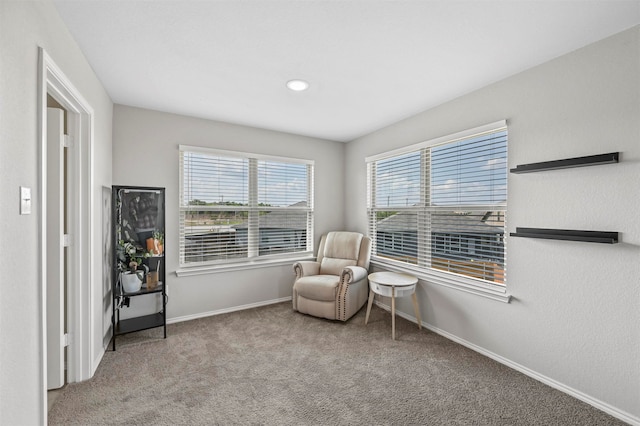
(273,366)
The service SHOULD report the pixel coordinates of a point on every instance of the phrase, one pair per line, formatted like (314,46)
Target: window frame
(420,269)
(253,258)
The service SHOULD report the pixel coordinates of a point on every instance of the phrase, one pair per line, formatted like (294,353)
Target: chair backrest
(340,249)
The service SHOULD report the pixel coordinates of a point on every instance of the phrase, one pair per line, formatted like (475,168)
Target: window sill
(468,285)
(187,271)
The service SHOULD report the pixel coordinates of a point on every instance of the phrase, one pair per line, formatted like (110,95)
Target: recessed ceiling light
(297,85)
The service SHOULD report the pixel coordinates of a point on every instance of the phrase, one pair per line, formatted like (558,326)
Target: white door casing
(82,357)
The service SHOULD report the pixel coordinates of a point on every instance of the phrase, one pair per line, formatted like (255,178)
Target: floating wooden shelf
(589,160)
(567,234)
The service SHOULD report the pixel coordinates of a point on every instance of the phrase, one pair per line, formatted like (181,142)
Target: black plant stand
(138,233)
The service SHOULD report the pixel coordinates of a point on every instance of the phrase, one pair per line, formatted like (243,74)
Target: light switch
(25,200)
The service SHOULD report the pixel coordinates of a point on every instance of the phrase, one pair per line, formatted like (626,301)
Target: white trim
(42,195)
(80,319)
(253,216)
(253,208)
(97,359)
(460,282)
(227,310)
(476,131)
(600,405)
(240,266)
(240,154)
(450,280)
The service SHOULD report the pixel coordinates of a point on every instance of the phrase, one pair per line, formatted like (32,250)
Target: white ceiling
(370,63)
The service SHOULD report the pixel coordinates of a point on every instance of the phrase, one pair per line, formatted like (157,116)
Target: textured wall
(575,313)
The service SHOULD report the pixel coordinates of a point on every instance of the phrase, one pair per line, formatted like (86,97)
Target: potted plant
(155,244)
(128,261)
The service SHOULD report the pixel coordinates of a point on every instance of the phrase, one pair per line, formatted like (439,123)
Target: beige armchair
(335,286)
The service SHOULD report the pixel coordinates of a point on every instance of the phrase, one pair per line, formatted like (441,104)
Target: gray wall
(574,319)
(24,26)
(145,152)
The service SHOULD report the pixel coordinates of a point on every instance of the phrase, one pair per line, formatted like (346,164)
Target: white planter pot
(131,282)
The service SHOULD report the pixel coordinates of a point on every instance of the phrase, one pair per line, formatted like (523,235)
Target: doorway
(57,236)
(77,272)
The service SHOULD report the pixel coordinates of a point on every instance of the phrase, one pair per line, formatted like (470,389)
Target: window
(439,207)
(236,207)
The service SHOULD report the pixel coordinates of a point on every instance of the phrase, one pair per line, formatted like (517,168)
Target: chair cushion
(333,266)
(318,287)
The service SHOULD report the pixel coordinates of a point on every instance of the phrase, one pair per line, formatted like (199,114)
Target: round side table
(393,284)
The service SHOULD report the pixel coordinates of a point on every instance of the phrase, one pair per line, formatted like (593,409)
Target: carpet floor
(273,366)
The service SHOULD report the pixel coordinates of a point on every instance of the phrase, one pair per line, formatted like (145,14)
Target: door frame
(80,271)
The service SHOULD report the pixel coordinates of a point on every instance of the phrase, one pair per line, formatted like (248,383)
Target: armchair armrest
(305,268)
(351,274)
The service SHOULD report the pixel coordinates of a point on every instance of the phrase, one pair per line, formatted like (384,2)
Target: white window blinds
(236,206)
(442,206)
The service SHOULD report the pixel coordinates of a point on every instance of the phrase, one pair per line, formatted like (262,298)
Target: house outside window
(439,207)
(237,207)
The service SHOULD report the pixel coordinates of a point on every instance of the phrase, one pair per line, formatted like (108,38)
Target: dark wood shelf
(590,160)
(144,290)
(567,235)
(139,323)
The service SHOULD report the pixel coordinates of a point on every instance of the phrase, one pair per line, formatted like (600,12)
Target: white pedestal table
(393,284)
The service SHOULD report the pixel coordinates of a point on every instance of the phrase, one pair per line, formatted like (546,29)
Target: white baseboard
(600,405)
(226,310)
(96,361)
